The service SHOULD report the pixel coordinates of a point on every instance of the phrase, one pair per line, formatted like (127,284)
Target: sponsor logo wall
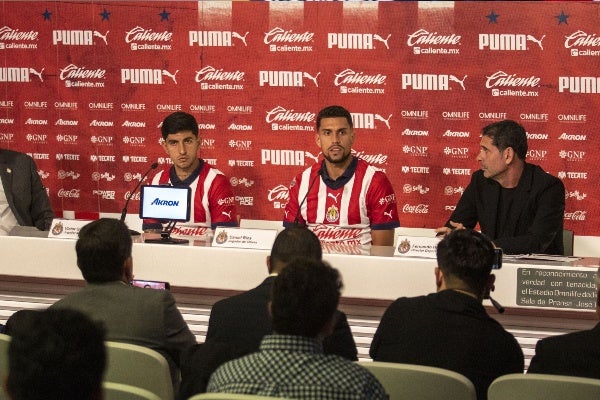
(84,87)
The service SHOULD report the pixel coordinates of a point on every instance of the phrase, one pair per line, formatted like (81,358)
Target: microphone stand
(124,211)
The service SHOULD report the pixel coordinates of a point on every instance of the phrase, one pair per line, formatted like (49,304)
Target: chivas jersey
(344,210)
(213,202)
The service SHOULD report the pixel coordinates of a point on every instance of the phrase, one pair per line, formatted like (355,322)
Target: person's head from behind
(304,298)
(465,258)
(508,134)
(56,355)
(17,318)
(292,242)
(104,251)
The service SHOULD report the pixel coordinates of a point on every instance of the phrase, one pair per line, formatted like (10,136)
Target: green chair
(138,366)
(419,382)
(543,387)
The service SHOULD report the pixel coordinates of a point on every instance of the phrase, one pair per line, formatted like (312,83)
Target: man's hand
(444,230)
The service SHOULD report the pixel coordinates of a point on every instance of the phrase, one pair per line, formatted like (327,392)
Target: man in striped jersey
(342,199)
(212,198)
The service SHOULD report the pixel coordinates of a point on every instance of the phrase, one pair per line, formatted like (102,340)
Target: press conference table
(367,277)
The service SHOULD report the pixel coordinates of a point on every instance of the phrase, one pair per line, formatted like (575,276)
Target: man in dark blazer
(25,195)
(146,317)
(575,354)
(238,324)
(518,205)
(451,329)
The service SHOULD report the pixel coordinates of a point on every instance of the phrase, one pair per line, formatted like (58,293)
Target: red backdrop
(84,87)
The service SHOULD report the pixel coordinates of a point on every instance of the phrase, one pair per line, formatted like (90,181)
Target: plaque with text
(556,288)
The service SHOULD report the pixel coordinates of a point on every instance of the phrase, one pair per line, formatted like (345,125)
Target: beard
(342,160)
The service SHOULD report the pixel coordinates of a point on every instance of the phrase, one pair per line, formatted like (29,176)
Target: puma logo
(382,40)
(170,75)
(38,74)
(226,213)
(460,82)
(388,213)
(242,38)
(334,197)
(385,121)
(538,42)
(101,36)
(312,78)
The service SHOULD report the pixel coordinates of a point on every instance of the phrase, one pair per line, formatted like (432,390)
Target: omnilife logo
(287,78)
(357,41)
(77,37)
(508,41)
(216,38)
(14,39)
(211,78)
(281,40)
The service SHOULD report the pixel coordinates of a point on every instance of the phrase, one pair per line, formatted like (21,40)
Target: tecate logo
(73,193)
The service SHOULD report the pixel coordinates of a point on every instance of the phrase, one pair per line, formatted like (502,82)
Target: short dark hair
(56,354)
(507,134)
(467,255)
(102,248)
(295,241)
(304,298)
(178,122)
(334,112)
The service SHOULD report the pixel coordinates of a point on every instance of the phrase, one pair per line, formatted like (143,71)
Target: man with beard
(343,198)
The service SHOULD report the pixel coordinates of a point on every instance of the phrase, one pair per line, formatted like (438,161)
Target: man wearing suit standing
(517,204)
(146,317)
(244,319)
(575,354)
(23,198)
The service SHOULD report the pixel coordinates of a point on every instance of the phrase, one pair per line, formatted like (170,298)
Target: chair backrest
(419,382)
(4,343)
(543,386)
(138,366)
(120,391)
(232,396)
(568,241)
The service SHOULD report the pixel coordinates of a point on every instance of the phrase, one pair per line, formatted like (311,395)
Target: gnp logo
(422,42)
(282,157)
(572,155)
(431,81)
(149,39)
(573,84)
(456,152)
(507,41)
(19,74)
(417,151)
(8,34)
(356,41)
(367,121)
(215,38)
(286,78)
(77,37)
(146,76)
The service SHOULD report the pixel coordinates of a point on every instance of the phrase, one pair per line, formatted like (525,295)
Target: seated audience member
(23,198)
(451,329)
(244,319)
(56,355)
(290,362)
(576,354)
(146,317)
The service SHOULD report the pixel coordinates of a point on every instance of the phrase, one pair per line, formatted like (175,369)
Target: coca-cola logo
(578,215)
(136,196)
(416,209)
(73,193)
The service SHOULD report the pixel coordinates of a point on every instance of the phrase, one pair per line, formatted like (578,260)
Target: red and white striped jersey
(347,213)
(213,203)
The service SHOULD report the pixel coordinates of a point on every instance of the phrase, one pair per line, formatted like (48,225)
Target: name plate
(66,228)
(244,238)
(416,246)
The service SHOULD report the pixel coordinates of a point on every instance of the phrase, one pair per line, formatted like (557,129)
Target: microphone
(496,305)
(312,182)
(124,212)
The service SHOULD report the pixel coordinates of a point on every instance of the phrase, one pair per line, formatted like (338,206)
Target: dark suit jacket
(535,223)
(448,330)
(146,317)
(24,191)
(244,319)
(575,354)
